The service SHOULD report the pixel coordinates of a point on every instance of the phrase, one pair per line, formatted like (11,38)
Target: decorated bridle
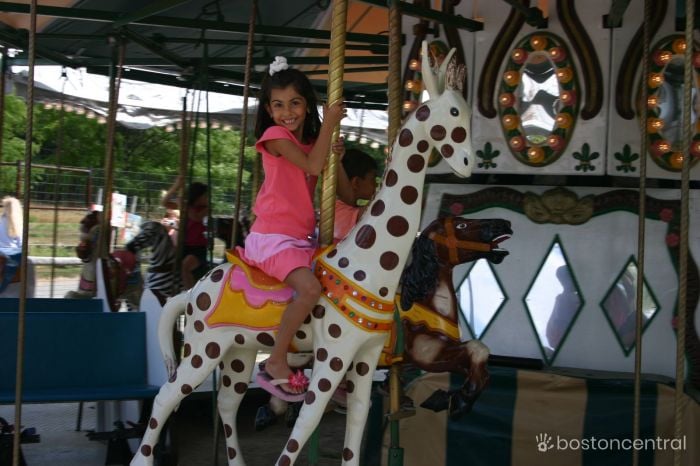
(453,244)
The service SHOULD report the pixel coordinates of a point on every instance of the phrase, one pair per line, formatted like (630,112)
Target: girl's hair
(12,209)
(196,191)
(281,80)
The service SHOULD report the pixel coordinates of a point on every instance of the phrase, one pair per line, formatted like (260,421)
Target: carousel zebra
(160,277)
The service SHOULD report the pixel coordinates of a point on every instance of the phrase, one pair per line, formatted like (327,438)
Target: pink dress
(279,240)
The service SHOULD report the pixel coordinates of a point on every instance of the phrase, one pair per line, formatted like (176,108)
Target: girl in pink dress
(294,144)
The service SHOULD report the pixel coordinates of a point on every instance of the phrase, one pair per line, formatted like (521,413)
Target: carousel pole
(3,77)
(182,174)
(244,120)
(336,68)
(681,323)
(59,150)
(19,376)
(394,88)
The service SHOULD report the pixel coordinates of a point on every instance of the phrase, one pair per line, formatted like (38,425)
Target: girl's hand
(338,148)
(332,114)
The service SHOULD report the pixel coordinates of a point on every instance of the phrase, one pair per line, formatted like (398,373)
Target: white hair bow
(279,64)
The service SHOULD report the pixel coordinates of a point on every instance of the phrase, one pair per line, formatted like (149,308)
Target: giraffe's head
(447,114)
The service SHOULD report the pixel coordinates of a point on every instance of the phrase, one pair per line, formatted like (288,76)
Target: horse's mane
(421,277)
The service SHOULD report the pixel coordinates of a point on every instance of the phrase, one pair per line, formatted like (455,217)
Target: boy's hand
(338,148)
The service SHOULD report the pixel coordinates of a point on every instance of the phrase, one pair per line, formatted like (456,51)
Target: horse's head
(458,240)
(89,221)
(447,114)
(445,243)
(223,226)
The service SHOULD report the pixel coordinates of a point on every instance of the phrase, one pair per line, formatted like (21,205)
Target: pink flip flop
(272,386)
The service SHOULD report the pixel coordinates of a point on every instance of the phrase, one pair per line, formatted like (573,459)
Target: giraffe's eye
(454,111)
(461,226)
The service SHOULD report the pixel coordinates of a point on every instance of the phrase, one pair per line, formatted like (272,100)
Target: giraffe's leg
(332,361)
(236,369)
(193,370)
(359,388)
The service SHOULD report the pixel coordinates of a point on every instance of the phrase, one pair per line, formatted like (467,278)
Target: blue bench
(76,356)
(52,305)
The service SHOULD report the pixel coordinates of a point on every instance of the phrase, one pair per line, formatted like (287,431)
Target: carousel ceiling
(203,43)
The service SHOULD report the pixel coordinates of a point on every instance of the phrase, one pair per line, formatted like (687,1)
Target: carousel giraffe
(234,311)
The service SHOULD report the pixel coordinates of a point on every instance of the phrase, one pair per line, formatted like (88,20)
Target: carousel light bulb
(363,140)
(215,125)
(79,111)
(91,115)
(169,129)
(414,65)
(48,105)
(652,101)
(102,120)
(408,105)
(374,145)
(409,85)
(352,137)
(227,127)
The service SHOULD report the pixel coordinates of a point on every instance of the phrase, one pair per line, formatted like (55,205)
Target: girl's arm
(344,190)
(314,162)
(171,198)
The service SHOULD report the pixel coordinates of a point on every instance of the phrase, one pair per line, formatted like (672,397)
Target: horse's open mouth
(497,240)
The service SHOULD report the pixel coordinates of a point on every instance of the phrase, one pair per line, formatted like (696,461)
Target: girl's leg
(189,264)
(308,290)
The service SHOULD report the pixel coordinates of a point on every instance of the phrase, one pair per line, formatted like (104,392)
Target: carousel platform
(193,433)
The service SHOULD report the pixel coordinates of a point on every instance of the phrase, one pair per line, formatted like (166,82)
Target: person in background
(361,172)
(194,253)
(11,227)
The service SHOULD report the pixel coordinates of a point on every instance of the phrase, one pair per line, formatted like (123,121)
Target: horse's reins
(450,241)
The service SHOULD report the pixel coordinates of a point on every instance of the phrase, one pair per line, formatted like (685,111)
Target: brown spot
(187,350)
(347,454)
(383,291)
(153,423)
(226,380)
(377,208)
(423,145)
(365,237)
(240,339)
(359,275)
(447,151)
(391,178)
(349,386)
(334,330)
(217,275)
(203,301)
(284,461)
(423,113)
(240,387)
(362,368)
(196,361)
(265,339)
(301,334)
(336,364)
(459,134)
(186,389)
(231,453)
(237,365)
(389,260)
(292,446)
(213,350)
(397,226)
(332,253)
(321,354)
(146,450)
(409,194)
(319,311)
(308,319)
(415,163)
(324,385)
(190,310)
(228,430)
(310,397)
(199,325)
(406,137)
(438,132)
(173,377)
(221,365)
(343,262)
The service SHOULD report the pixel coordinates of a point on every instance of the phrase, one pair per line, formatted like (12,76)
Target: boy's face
(365,186)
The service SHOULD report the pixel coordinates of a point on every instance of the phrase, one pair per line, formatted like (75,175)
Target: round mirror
(537,99)
(665,104)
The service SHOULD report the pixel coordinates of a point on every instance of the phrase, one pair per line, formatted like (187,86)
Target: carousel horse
(428,304)
(234,311)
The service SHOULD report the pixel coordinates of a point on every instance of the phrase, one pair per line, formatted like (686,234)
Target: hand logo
(544,442)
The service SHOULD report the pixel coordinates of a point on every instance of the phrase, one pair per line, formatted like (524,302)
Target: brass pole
(19,375)
(336,69)
(244,120)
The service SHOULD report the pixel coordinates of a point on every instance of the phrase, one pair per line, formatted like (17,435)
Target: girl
(10,239)
(294,145)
